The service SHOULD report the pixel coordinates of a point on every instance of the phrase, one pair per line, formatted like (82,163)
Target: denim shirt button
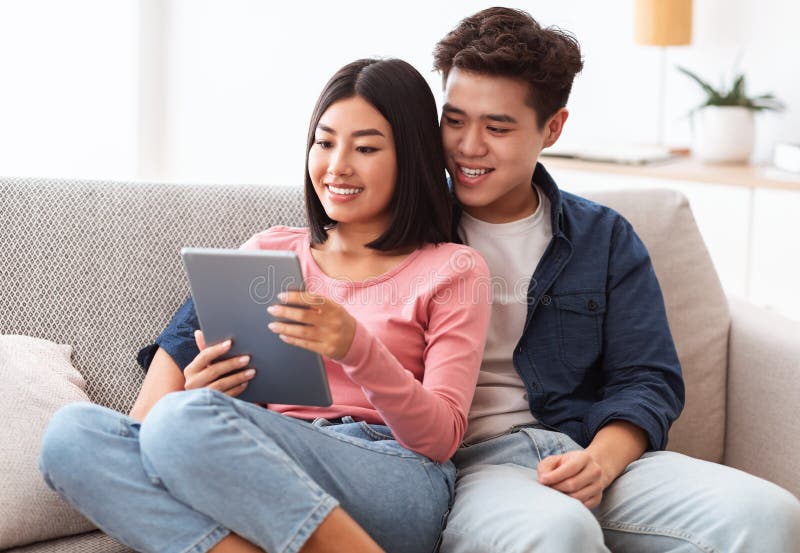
(546,300)
(592,305)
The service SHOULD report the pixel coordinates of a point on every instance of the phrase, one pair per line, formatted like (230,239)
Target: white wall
(68,88)
(244,74)
(227,86)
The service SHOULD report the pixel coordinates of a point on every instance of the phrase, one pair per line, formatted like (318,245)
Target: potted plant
(723,127)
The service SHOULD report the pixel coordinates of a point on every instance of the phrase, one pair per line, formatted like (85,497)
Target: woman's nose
(339,164)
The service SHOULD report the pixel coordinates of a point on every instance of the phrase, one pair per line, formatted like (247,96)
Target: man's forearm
(615,446)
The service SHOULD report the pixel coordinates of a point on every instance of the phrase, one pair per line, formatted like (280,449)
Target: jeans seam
(199,547)
(535,445)
(473,536)
(304,531)
(657,531)
(374,433)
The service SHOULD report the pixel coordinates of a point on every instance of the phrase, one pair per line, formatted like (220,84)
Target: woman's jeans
(204,464)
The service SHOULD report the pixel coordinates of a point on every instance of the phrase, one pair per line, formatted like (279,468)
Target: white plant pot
(723,134)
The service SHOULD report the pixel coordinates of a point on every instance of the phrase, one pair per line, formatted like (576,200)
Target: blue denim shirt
(596,346)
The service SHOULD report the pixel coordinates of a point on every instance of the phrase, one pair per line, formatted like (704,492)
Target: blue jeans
(663,502)
(204,464)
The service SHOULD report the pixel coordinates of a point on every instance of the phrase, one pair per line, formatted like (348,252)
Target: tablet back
(231,290)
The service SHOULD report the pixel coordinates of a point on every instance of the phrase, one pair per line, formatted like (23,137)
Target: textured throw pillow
(36,378)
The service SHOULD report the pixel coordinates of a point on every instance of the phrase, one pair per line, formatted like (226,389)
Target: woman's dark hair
(510,43)
(421,206)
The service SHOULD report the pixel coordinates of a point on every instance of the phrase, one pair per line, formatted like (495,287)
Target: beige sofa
(96,265)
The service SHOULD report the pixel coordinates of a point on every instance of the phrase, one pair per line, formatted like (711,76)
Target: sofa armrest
(762,434)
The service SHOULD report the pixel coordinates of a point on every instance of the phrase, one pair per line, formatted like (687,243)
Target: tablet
(231,290)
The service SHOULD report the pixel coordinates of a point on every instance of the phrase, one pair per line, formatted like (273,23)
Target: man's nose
(472,143)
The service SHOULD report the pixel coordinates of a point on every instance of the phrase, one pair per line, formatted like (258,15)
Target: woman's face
(353,163)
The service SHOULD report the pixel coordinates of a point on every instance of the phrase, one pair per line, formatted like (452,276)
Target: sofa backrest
(96,265)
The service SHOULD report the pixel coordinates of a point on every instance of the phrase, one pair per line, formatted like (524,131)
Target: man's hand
(327,328)
(576,474)
(585,474)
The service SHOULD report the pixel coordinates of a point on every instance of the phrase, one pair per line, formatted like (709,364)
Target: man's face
(491,142)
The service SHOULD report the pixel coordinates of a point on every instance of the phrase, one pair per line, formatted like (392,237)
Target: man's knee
(502,508)
(769,515)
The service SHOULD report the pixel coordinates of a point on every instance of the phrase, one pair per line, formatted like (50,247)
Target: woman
(400,318)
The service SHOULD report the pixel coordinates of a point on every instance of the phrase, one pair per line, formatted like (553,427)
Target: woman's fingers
(296,314)
(303,298)
(305,332)
(234,383)
(199,340)
(206,356)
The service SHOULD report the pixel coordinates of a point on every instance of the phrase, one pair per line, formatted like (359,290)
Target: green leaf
(735,96)
(703,84)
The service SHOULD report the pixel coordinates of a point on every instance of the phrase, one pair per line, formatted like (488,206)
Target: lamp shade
(663,22)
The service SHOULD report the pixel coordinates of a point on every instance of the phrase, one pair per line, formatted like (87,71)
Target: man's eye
(497,130)
(366,149)
(451,121)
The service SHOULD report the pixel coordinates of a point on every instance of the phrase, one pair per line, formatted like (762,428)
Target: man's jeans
(203,465)
(663,502)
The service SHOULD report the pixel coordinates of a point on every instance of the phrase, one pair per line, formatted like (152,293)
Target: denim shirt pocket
(580,327)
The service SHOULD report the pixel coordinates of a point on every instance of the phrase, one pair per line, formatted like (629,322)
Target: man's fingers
(582,481)
(585,494)
(566,467)
(547,465)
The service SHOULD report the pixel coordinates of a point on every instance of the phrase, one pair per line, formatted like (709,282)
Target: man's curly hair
(505,42)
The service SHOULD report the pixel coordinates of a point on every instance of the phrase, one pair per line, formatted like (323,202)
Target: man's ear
(554,126)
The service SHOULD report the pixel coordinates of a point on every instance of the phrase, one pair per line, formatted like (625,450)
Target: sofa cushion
(697,310)
(37,378)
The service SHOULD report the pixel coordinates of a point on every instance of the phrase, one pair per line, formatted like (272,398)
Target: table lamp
(663,23)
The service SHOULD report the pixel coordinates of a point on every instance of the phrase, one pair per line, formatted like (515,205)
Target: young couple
(577,385)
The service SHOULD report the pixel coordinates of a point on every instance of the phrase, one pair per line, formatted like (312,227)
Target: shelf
(687,169)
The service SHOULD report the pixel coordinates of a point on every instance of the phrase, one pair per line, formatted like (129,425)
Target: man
(580,380)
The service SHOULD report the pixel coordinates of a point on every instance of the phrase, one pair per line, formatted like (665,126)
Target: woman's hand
(203,372)
(327,328)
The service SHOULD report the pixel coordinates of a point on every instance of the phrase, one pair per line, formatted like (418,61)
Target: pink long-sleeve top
(418,344)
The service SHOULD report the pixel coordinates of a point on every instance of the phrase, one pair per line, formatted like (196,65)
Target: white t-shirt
(512,251)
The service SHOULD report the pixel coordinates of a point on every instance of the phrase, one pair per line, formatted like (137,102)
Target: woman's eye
(324,144)
(366,149)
